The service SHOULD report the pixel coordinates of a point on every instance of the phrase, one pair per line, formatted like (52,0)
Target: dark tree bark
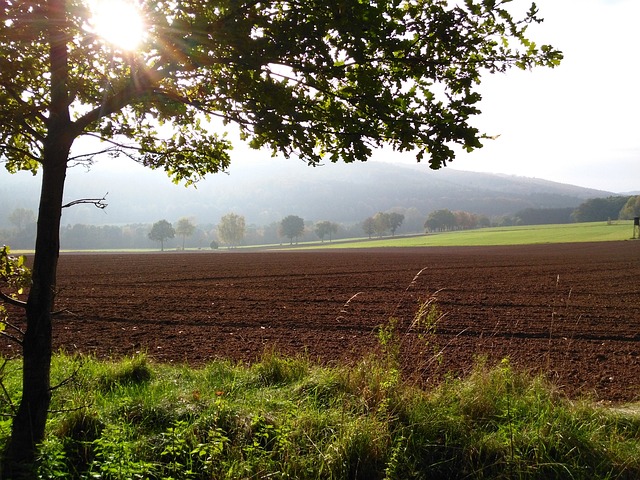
(28,426)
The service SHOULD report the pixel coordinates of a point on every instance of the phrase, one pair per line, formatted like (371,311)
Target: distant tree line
(592,210)
(232,231)
(383,223)
(446,220)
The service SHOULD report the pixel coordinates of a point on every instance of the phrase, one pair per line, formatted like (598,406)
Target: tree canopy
(161,231)
(368,225)
(321,79)
(231,229)
(291,227)
(185,228)
(443,219)
(325,228)
(599,209)
(631,209)
(395,220)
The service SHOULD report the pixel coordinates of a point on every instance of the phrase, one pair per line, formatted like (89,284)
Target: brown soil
(570,311)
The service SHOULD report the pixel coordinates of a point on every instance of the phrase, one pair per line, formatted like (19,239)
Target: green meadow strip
(520,235)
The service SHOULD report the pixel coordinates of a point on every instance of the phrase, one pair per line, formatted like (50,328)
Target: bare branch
(14,327)
(65,410)
(66,380)
(11,337)
(98,202)
(116,148)
(87,158)
(12,301)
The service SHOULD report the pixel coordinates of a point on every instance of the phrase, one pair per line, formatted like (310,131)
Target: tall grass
(288,418)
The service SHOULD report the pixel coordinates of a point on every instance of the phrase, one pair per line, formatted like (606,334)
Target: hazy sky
(578,123)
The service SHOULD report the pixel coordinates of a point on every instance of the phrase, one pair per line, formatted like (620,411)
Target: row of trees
(592,210)
(610,208)
(445,220)
(233,231)
(382,223)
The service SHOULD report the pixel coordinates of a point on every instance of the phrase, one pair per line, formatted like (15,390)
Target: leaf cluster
(15,277)
(14,272)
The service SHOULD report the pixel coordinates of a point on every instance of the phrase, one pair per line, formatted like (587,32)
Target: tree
(543,216)
(631,209)
(325,228)
(395,220)
(599,209)
(24,221)
(22,218)
(231,229)
(321,80)
(291,227)
(440,220)
(185,228)
(484,221)
(381,223)
(369,227)
(161,231)
(465,220)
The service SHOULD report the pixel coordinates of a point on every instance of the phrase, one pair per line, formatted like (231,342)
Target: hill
(265,192)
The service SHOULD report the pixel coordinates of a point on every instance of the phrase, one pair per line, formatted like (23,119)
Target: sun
(118,22)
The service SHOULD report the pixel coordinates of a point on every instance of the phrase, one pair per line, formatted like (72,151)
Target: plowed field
(571,311)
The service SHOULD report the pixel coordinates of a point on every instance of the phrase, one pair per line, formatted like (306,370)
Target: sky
(578,123)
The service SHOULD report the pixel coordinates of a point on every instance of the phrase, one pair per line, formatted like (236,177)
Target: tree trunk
(29,424)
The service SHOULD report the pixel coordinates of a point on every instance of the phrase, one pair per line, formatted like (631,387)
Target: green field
(524,235)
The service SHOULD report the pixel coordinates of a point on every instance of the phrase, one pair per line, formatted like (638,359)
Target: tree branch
(24,152)
(12,301)
(11,337)
(141,83)
(98,202)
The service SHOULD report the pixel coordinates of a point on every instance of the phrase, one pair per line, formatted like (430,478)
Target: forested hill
(266,192)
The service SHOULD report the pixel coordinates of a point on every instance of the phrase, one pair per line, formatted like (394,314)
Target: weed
(274,369)
(117,455)
(129,371)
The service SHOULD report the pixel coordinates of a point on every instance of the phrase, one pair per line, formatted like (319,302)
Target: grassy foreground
(287,418)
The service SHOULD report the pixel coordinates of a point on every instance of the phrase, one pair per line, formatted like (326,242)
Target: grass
(288,418)
(618,230)
(524,235)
